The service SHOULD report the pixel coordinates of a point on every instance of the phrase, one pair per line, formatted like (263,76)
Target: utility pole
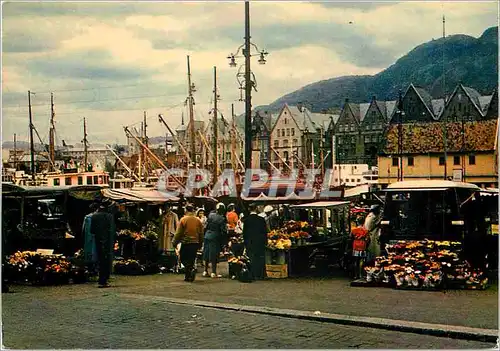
(85,150)
(248,91)
(216,97)
(321,152)
(191,113)
(52,154)
(32,145)
(15,151)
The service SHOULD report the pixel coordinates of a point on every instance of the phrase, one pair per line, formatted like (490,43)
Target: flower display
(279,244)
(33,267)
(424,264)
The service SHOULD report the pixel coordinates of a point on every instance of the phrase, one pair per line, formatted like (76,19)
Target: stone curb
(441,330)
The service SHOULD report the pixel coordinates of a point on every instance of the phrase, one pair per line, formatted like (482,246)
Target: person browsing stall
(190,235)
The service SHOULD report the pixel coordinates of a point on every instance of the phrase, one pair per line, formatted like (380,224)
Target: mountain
(472,61)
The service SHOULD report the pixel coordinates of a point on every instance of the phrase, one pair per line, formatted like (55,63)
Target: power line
(94,88)
(95,101)
(20,114)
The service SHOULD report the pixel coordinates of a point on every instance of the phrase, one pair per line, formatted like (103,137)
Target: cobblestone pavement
(477,309)
(86,317)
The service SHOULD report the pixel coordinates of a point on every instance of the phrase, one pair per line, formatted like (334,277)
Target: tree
(109,167)
(119,149)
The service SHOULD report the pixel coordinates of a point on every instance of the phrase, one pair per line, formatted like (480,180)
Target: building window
(282,132)
(293,131)
(67,181)
(96,180)
(285,155)
(80,180)
(411,161)
(472,159)
(395,161)
(352,127)
(441,160)
(278,132)
(285,143)
(288,132)
(89,180)
(456,160)
(285,120)
(276,143)
(57,182)
(295,142)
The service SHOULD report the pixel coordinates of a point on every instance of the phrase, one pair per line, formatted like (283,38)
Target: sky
(110,62)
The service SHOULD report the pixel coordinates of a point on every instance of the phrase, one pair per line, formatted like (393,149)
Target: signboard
(457,175)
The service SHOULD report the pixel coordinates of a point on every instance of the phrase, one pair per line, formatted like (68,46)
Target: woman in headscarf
(215,237)
(201,215)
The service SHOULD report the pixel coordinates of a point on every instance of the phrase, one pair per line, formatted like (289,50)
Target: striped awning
(142,195)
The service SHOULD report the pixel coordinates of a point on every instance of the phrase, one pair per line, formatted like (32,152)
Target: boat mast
(52,156)
(141,153)
(85,150)
(191,113)
(216,96)
(32,146)
(233,139)
(15,151)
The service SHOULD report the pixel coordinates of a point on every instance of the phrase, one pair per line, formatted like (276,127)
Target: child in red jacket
(359,244)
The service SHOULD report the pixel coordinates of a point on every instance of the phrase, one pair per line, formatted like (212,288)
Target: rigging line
(95,101)
(88,89)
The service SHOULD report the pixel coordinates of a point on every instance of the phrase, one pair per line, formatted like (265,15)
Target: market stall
(316,238)
(138,230)
(432,237)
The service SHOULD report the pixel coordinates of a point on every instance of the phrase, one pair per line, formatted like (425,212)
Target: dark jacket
(255,231)
(216,228)
(102,225)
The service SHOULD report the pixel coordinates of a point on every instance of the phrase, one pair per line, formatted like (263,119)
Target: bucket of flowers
(299,237)
(56,270)
(128,267)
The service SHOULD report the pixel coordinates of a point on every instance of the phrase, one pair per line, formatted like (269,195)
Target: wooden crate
(277,271)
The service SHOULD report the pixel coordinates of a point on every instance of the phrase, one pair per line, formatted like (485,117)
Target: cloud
(111,61)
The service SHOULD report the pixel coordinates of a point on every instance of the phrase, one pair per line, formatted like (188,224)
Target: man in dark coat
(102,225)
(255,239)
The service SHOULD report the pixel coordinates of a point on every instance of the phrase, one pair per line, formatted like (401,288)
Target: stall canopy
(321,204)
(82,192)
(428,185)
(290,197)
(359,190)
(138,195)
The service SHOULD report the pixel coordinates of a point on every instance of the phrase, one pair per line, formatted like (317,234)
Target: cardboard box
(277,271)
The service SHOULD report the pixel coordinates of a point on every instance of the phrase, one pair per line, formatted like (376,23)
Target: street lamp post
(247,81)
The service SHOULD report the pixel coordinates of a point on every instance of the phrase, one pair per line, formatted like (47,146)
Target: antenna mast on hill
(445,142)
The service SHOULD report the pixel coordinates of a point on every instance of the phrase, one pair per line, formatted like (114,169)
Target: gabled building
(465,104)
(417,107)
(262,123)
(297,131)
(373,126)
(347,134)
(455,139)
